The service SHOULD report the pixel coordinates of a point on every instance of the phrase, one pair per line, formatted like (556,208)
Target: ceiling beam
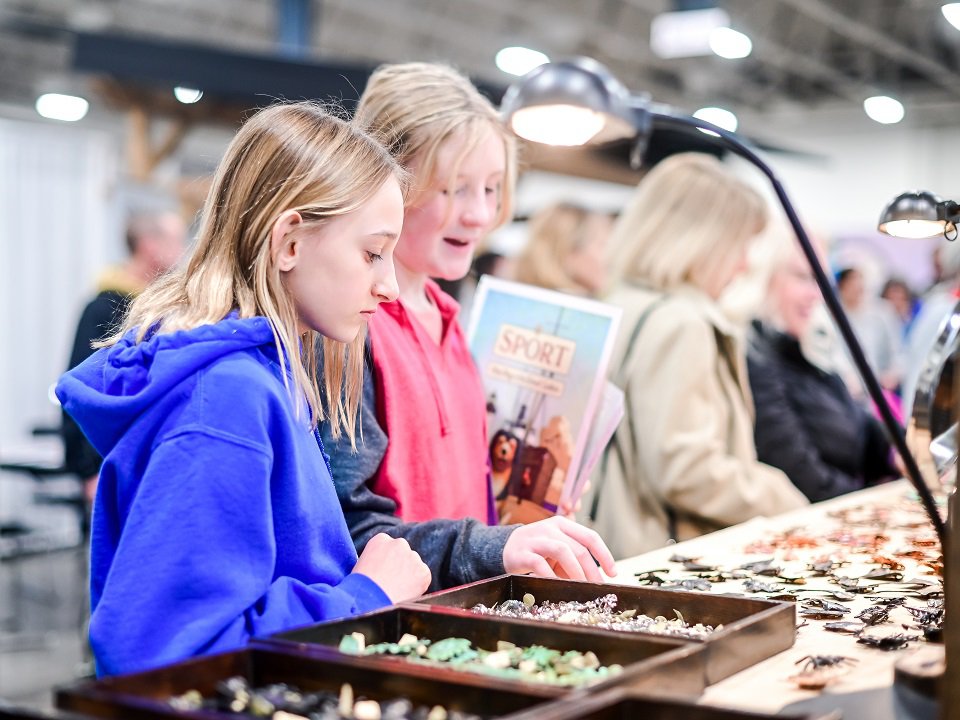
(880,43)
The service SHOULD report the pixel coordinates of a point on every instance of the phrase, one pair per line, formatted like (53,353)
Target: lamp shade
(572,102)
(912,214)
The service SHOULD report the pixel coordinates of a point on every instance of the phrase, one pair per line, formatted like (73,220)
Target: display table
(862,529)
(873,550)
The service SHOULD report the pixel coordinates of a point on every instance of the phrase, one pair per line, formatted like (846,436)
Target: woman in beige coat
(682,462)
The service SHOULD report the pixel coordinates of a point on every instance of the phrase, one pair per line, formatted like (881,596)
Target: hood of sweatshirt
(111,389)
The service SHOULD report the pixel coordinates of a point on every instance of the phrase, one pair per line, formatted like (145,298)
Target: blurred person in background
(878,330)
(155,240)
(683,461)
(807,423)
(565,250)
(903,301)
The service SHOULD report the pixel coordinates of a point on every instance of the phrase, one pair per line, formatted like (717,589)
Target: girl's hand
(395,567)
(557,547)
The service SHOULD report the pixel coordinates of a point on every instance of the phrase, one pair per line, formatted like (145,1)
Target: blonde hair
(290,156)
(686,217)
(554,234)
(414,108)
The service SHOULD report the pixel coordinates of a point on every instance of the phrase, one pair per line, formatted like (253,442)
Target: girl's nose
(386,288)
(479,210)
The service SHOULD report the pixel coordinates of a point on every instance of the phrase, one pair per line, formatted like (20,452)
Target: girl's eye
(374,257)
(491,190)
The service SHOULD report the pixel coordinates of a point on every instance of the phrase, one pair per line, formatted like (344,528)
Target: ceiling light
(951,11)
(520,60)
(719,117)
(730,44)
(68,108)
(187,95)
(883,109)
(685,33)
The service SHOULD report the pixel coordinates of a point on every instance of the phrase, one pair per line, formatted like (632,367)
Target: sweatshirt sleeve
(456,551)
(100,317)
(681,416)
(195,568)
(783,441)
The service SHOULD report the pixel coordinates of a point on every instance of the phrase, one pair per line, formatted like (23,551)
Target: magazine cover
(543,356)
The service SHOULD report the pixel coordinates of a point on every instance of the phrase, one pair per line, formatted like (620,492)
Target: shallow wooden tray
(618,704)
(662,666)
(753,629)
(143,696)
(14,712)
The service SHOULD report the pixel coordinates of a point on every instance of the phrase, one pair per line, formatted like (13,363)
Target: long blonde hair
(414,108)
(688,215)
(289,156)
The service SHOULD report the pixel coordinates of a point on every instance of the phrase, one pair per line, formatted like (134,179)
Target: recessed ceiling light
(520,60)
(68,108)
(685,33)
(730,44)
(187,95)
(718,116)
(883,109)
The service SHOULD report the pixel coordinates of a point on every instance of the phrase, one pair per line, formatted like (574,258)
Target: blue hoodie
(216,518)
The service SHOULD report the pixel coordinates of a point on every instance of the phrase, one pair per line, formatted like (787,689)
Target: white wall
(863,165)
(58,228)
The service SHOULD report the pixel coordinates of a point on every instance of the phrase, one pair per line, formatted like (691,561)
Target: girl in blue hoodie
(216,518)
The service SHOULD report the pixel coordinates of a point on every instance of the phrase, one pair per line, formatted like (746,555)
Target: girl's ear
(284,244)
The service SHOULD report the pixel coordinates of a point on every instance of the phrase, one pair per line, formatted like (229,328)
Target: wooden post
(142,157)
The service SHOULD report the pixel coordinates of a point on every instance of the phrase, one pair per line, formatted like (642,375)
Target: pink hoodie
(430,402)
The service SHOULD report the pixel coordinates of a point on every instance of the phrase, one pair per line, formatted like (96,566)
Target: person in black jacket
(807,423)
(156,240)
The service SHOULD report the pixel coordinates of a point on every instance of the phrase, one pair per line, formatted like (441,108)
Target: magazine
(543,357)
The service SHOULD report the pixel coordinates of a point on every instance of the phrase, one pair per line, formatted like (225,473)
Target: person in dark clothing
(807,423)
(155,240)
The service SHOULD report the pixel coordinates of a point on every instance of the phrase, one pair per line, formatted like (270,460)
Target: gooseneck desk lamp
(920,214)
(579,102)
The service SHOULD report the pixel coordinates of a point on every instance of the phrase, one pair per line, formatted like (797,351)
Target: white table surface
(766,686)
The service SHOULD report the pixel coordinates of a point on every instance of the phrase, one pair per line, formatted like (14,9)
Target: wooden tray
(143,696)
(13,712)
(665,667)
(753,629)
(619,704)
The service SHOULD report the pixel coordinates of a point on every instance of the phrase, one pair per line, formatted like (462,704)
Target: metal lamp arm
(664,118)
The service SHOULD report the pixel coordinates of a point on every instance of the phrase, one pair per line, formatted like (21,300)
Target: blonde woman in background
(565,249)
(682,462)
